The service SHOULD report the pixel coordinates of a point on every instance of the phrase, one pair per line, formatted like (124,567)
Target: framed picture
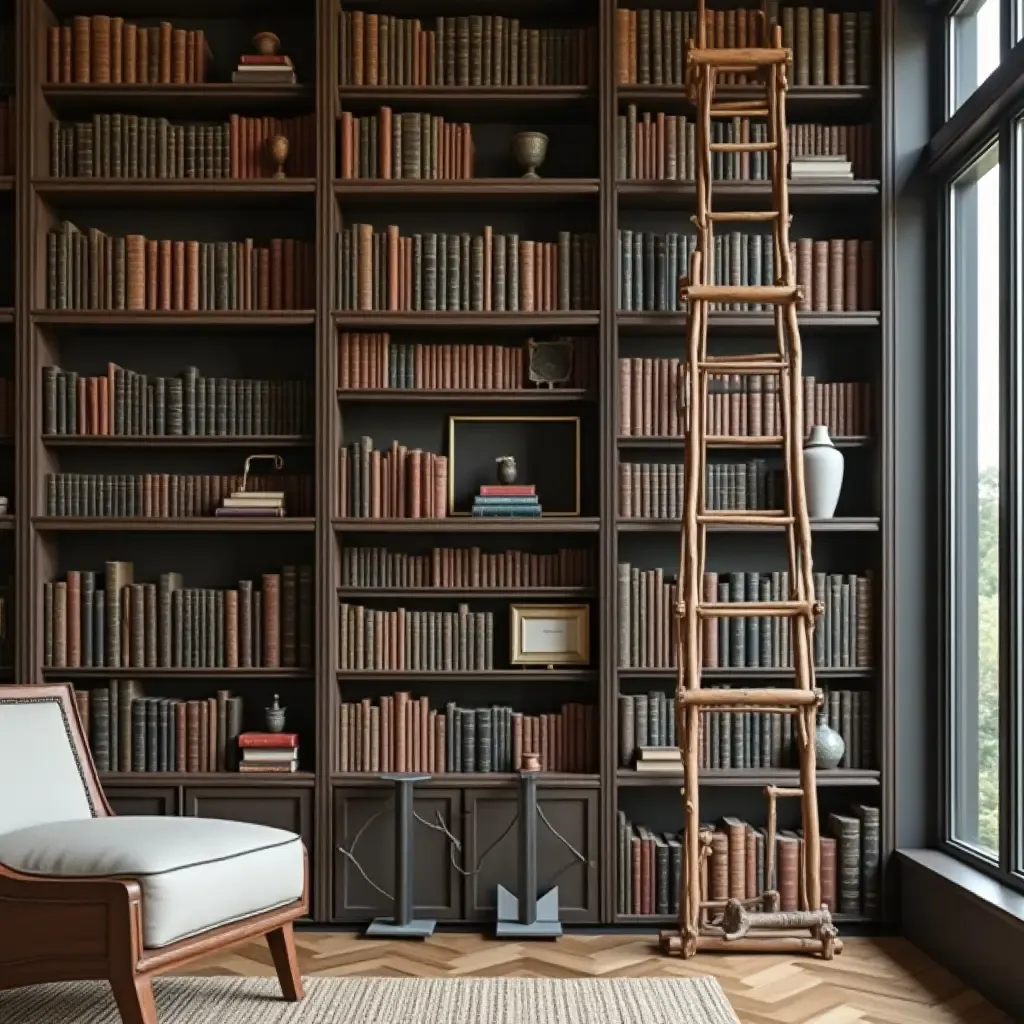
(550,634)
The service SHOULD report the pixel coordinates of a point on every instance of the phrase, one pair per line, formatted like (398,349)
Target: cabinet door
(156,801)
(572,812)
(437,893)
(278,807)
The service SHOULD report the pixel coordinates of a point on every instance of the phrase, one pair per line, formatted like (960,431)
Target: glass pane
(976,458)
(975,47)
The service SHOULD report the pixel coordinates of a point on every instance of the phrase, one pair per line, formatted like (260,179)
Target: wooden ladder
(758,923)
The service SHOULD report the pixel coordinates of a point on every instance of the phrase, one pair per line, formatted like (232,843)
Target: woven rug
(223,1000)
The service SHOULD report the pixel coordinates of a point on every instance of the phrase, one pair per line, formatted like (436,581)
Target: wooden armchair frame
(74,929)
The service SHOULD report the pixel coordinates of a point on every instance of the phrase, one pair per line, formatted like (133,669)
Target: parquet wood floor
(874,981)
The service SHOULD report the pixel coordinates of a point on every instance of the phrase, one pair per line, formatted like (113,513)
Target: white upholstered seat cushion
(195,873)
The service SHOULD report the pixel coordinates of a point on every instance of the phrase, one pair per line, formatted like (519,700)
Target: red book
(508,491)
(265,60)
(268,739)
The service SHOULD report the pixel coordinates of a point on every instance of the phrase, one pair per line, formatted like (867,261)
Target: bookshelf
(227,336)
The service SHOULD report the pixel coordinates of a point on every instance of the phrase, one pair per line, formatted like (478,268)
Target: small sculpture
(530,148)
(279,154)
(275,716)
(829,745)
(266,43)
(506,469)
(550,363)
(529,763)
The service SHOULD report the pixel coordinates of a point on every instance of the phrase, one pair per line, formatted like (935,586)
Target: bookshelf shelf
(466,524)
(482,190)
(749,777)
(748,675)
(819,100)
(247,780)
(6,315)
(7,523)
(494,101)
(728,194)
(6,182)
(197,524)
(675,323)
(381,320)
(176,441)
(123,192)
(474,780)
(677,442)
(467,593)
(422,396)
(131,320)
(219,674)
(842,524)
(178,100)
(532,677)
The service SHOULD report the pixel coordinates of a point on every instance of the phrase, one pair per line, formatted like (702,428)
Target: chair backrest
(46,773)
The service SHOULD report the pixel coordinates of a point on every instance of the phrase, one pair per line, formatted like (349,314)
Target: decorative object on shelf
(246,504)
(546,451)
(279,153)
(550,362)
(274,752)
(550,634)
(815,167)
(506,465)
(829,745)
(823,474)
(275,715)
(530,763)
(530,149)
(266,66)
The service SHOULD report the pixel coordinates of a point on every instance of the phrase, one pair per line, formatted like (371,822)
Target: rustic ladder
(745,924)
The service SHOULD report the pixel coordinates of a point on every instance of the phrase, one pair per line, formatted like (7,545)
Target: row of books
(835,275)
(647,624)
(653,402)
(476,49)
(401,639)
(397,484)
(401,733)
(650,862)
(466,568)
(374,361)
(100,49)
(124,402)
(741,739)
(654,490)
(407,146)
(663,147)
(385,270)
(135,146)
(108,620)
(828,47)
(165,495)
(93,270)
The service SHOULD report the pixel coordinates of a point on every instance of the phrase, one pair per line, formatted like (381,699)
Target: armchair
(87,895)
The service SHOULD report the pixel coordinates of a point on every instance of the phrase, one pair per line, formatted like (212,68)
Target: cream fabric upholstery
(195,873)
(40,778)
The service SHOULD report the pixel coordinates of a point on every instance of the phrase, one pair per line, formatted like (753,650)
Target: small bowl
(267,44)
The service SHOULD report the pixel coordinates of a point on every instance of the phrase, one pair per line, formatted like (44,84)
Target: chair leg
(134,995)
(282,948)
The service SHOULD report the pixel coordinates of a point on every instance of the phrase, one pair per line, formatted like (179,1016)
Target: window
(974,472)
(974,47)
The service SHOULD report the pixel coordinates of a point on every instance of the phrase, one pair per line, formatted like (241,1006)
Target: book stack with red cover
(269,752)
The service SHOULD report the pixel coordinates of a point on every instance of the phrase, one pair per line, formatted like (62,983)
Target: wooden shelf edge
(682,188)
(454,780)
(631,441)
(411,396)
(467,524)
(249,780)
(377,319)
(174,441)
(175,317)
(839,524)
(178,673)
(747,673)
(673,320)
(196,524)
(467,593)
(795,93)
(121,188)
(533,676)
(431,188)
(477,93)
(751,777)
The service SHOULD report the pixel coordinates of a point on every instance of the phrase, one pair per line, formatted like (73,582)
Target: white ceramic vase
(823,474)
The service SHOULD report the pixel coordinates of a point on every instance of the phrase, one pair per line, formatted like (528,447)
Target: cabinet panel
(572,812)
(132,800)
(436,889)
(288,809)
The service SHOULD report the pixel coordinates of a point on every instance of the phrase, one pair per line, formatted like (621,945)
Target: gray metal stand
(402,925)
(528,917)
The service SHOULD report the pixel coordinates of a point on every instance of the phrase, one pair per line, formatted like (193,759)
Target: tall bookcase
(579,191)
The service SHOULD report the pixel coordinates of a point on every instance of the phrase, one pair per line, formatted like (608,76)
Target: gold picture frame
(453,421)
(549,634)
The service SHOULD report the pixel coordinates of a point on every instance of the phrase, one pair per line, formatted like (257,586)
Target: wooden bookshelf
(580,190)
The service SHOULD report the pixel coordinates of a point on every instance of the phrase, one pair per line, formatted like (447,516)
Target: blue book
(493,512)
(487,500)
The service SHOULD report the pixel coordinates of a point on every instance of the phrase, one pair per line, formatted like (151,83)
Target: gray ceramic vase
(823,474)
(829,746)
(275,716)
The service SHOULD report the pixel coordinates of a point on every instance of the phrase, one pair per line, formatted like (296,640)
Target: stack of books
(507,500)
(249,504)
(276,752)
(831,168)
(264,69)
(659,759)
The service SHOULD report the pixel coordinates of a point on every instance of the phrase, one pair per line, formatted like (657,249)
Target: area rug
(223,1000)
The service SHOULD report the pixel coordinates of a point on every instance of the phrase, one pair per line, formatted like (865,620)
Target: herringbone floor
(874,981)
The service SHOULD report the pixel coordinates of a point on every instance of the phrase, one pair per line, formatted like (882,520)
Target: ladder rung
(747,111)
(736,59)
(779,294)
(724,216)
(725,365)
(765,697)
(743,147)
(754,357)
(766,609)
(762,517)
(745,441)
